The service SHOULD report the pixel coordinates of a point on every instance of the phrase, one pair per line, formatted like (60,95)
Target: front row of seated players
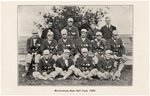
(84,67)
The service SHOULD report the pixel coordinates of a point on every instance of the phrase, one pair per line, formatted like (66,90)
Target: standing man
(65,65)
(99,45)
(49,44)
(65,43)
(46,68)
(73,32)
(33,52)
(115,44)
(91,34)
(107,29)
(50,28)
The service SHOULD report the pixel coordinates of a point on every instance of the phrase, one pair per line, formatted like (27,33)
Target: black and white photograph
(68,45)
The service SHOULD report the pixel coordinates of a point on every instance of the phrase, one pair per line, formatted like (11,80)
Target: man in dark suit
(65,43)
(115,44)
(72,30)
(65,65)
(49,44)
(33,52)
(107,29)
(50,28)
(46,68)
(91,34)
(85,67)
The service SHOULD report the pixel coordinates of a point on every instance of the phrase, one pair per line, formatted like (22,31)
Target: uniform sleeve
(99,66)
(43,46)
(59,48)
(91,65)
(40,66)
(77,31)
(58,63)
(122,47)
(78,64)
(55,49)
(114,69)
(39,51)
(28,47)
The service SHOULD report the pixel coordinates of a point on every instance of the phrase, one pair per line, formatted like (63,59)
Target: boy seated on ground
(46,68)
(65,65)
(85,67)
(105,66)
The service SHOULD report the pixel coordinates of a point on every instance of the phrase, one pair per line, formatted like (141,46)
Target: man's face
(115,36)
(93,26)
(83,34)
(84,54)
(46,56)
(108,21)
(64,35)
(107,55)
(34,35)
(99,37)
(70,23)
(66,55)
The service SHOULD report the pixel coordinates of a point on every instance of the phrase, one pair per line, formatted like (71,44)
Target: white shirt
(66,62)
(83,39)
(64,40)
(34,40)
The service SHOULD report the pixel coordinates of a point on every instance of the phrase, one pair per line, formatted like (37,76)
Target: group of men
(95,52)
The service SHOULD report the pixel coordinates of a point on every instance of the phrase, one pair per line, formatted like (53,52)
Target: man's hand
(44,73)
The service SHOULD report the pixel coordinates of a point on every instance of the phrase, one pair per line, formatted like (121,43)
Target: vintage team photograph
(72,45)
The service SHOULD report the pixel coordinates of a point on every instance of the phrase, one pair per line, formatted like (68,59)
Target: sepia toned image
(75,45)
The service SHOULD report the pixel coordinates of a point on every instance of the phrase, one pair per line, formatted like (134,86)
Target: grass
(125,80)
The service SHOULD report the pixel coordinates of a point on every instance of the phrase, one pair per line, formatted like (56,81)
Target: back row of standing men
(94,41)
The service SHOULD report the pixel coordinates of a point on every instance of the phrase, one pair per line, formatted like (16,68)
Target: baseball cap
(63,31)
(108,52)
(70,19)
(84,50)
(66,51)
(98,33)
(46,52)
(83,30)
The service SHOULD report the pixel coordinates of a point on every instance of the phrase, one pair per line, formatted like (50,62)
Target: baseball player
(33,52)
(46,68)
(85,66)
(65,65)
(115,44)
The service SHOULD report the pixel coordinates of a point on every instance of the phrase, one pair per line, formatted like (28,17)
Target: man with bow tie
(85,67)
(50,44)
(65,65)
(65,43)
(106,67)
(99,45)
(46,68)
(107,29)
(33,52)
(116,45)
(72,30)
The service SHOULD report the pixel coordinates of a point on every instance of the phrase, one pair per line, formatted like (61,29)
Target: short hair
(50,33)
(46,52)
(70,19)
(84,50)
(98,33)
(107,18)
(83,30)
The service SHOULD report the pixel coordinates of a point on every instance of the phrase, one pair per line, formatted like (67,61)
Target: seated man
(105,66)
(46,68)
(115,44)
(33,52)
(65,43)
(50,44)
(85,67)
(99,45)
(65,65)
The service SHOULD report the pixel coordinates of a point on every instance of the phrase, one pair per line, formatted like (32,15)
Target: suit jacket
(46,66)
(83,44)
(57,34)
(60,62)
(51,47)
(69,44)
(30,45)
(73,32)
(106,65)
(107,32)
(84,65)
(116,46)
(99,48)
(91,34)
